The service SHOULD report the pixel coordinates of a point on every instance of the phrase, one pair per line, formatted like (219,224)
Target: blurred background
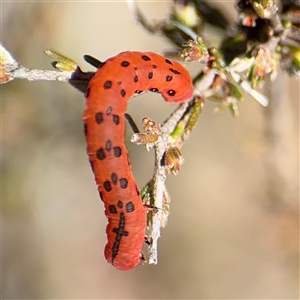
(227,235)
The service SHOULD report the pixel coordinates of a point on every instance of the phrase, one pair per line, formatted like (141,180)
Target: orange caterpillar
(115,82)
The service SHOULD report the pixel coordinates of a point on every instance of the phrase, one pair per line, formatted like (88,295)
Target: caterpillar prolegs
(115,82)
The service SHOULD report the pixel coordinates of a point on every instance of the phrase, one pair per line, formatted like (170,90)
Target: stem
(159,177)
(34,74)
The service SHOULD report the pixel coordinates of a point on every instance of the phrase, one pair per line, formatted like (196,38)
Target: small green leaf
(64,63)
(235,92)
(234,109)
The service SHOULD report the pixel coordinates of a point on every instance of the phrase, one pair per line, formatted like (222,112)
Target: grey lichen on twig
(159,178)
(36,74)
(10,69)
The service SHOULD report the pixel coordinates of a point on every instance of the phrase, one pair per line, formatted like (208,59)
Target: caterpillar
(116,81)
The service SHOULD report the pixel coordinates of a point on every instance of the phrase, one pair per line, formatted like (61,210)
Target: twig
(10,69)
(159,177)
(35,74)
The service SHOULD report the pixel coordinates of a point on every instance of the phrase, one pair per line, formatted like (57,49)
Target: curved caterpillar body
(117,80)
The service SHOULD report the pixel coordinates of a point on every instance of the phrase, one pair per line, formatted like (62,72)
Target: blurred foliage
(254,47)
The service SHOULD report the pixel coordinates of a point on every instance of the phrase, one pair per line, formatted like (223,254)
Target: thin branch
(159,177)
(35,74)
(171,122)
